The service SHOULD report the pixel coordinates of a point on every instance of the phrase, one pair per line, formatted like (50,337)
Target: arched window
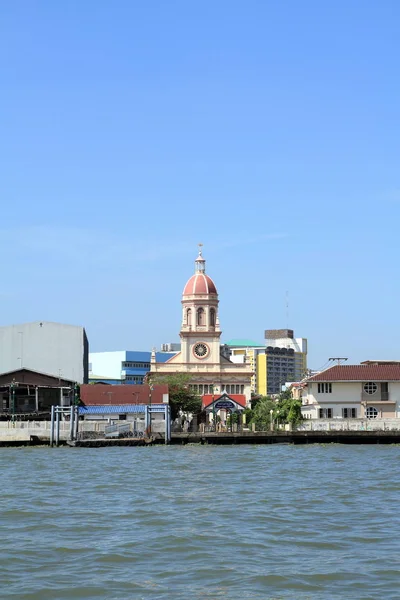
(189,316)
(200,316)
(212,317)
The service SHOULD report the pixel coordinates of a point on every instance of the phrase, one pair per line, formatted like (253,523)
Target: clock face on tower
(201,350)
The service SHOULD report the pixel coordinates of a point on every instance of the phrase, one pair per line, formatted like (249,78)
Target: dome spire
(200,263)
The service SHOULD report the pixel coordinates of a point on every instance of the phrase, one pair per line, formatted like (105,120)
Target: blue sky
(268,130)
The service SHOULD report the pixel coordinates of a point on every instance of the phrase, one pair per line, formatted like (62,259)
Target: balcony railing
(377,397)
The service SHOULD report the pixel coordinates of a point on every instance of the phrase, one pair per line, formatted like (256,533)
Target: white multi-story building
(369,390)
(50,348)
(283,339)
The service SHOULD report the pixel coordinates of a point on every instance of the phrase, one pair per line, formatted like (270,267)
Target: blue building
(122,366)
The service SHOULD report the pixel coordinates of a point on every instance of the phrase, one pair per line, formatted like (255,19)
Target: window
(189,316)
(325,413)
(370,388)
(371,412)
(384,391)
(349,413)
(212,317)
(134,378)
(242,389)
(324,388)
(132,365)
(200,316)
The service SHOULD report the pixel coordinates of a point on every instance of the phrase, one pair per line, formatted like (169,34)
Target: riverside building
(369,390)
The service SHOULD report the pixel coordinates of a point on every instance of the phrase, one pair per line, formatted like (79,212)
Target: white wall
(349,425)
(52,348)
(107,364)
(298,344)
(344,392)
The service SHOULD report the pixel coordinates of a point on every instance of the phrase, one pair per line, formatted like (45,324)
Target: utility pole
(339,359)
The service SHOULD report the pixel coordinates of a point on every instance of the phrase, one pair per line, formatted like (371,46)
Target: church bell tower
(200,330)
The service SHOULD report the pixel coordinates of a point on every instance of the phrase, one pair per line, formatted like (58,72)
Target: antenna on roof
(287,309)
(339,358)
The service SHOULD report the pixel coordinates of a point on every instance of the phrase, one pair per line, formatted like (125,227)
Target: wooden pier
(225,438)
(288,437)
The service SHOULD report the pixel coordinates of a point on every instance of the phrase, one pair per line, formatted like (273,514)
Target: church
(212,373)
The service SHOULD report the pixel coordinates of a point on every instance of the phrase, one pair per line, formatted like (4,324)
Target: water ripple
(234,522)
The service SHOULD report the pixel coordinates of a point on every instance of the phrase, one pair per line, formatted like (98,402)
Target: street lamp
(271,412)
(214,415)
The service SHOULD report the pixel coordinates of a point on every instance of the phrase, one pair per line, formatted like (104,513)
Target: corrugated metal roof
(366,372)
(121,409)
(244,344)
(137,356)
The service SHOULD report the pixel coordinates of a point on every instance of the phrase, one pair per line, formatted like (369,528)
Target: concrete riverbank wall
(21,431)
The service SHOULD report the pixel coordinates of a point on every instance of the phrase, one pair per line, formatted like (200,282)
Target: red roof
(106,395)
(238,398)
(363,372)
(199,284)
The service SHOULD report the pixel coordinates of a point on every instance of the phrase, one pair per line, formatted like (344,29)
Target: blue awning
(119,409)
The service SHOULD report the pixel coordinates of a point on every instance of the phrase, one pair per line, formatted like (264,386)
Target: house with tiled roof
(369,390)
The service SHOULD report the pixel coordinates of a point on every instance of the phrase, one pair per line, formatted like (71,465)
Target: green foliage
(181,397)
(232,418)
(248,414)
(287,409)
(261,414)
(256,398)
(77,395)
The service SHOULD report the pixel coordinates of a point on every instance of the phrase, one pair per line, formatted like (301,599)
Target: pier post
(52,427)
(71,423)
(167,424)
(57,426)
(76,422)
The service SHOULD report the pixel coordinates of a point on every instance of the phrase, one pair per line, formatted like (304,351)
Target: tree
(288,410)
(262,412)
(181,398)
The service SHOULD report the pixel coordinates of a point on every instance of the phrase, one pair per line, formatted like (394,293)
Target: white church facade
(200,356)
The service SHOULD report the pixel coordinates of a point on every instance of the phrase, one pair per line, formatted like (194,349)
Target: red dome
(200,284)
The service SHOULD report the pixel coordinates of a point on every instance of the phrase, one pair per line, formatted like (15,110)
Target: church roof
(238,398)
(199,283)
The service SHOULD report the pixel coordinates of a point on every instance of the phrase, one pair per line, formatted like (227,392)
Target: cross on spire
(200,262)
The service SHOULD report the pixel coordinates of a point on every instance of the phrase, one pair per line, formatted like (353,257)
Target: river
(197,522)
